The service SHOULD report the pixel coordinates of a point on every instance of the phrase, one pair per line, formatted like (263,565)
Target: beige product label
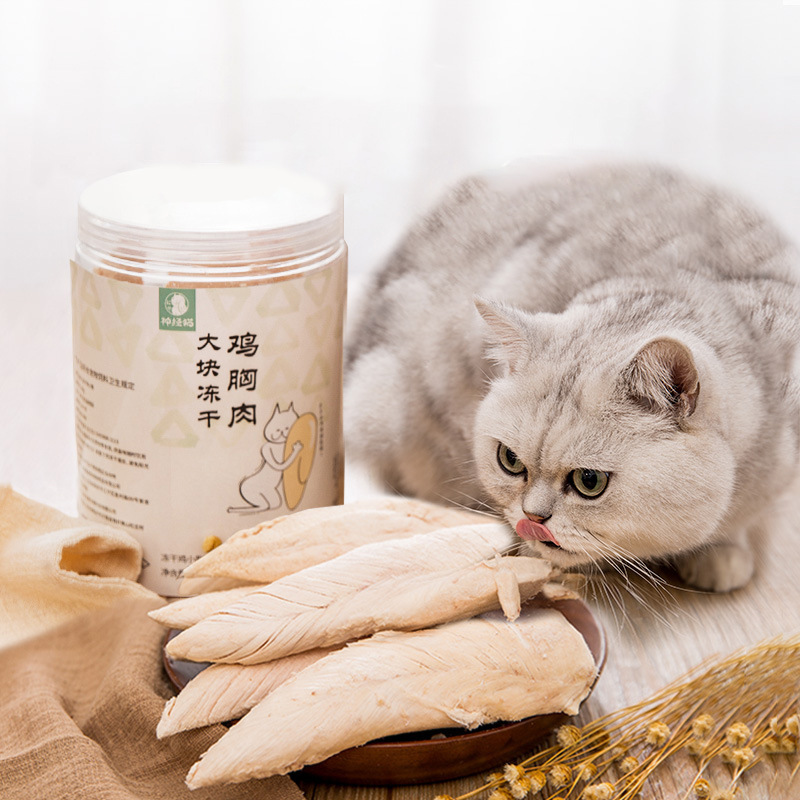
(203,411)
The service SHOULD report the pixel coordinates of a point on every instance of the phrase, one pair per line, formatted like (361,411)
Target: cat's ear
(508,344)
(662,377)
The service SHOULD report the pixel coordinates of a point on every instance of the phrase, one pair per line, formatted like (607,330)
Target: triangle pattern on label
(319,325)
(125,341)
(228,303)
(172,347)
(74,273)
(174,431)
(126,297)
(238,436)
(171,390)
(341,285)
(279,378)
(88,291)
(280,338)
(281,298)
(318,376)
(90,330)
(317,286)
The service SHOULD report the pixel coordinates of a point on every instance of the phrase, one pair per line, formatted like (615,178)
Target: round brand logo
(176,304)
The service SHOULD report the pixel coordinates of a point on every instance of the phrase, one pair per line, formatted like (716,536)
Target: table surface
(649,643)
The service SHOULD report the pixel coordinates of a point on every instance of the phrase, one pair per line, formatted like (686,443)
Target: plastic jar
(208,310)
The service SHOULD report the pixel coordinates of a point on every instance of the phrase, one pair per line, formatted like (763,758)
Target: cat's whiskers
(621,561)
(476,505)
(516,548)
(607,589)
(611,596)
(659,599)
(465,467)
(617,555)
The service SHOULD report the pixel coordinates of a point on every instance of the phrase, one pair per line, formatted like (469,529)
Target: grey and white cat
(602,357)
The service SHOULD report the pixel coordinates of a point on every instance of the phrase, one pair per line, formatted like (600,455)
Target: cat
(605,357)
(262,490)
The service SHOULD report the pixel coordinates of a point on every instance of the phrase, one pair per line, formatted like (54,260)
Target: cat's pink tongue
(528,529)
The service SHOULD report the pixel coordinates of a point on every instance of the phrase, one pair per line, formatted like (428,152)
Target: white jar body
(202,410)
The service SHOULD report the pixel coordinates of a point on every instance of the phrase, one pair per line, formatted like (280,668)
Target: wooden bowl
(432,756)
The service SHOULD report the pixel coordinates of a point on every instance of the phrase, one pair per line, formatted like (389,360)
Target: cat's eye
(589,482)
(509,461)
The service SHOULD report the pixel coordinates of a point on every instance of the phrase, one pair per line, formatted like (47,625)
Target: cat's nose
(541,519)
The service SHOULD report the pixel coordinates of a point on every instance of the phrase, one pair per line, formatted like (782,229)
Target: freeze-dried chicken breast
(375,586)
(287,544)
(223,692)
(190,587)
(465,673)
(405,602)
(188,611)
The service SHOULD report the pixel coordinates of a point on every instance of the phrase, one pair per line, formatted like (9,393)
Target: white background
(389,99)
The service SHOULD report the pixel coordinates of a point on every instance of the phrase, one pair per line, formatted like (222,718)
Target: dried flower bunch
(725,717)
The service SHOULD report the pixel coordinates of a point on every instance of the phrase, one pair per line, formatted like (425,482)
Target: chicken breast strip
(465,673)
(191,587)
(242,632)
(224,692)
(188,611)
(287,544)
(407,602)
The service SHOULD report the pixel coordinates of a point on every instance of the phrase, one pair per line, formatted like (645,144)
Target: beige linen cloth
(53,567)
(81,681)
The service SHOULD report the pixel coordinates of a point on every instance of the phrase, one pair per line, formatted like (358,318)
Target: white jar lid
(221,222)
(209,198)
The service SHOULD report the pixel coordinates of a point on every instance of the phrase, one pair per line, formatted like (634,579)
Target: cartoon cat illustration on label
(286,459)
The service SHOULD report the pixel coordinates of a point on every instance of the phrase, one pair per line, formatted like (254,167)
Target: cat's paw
(720,568)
